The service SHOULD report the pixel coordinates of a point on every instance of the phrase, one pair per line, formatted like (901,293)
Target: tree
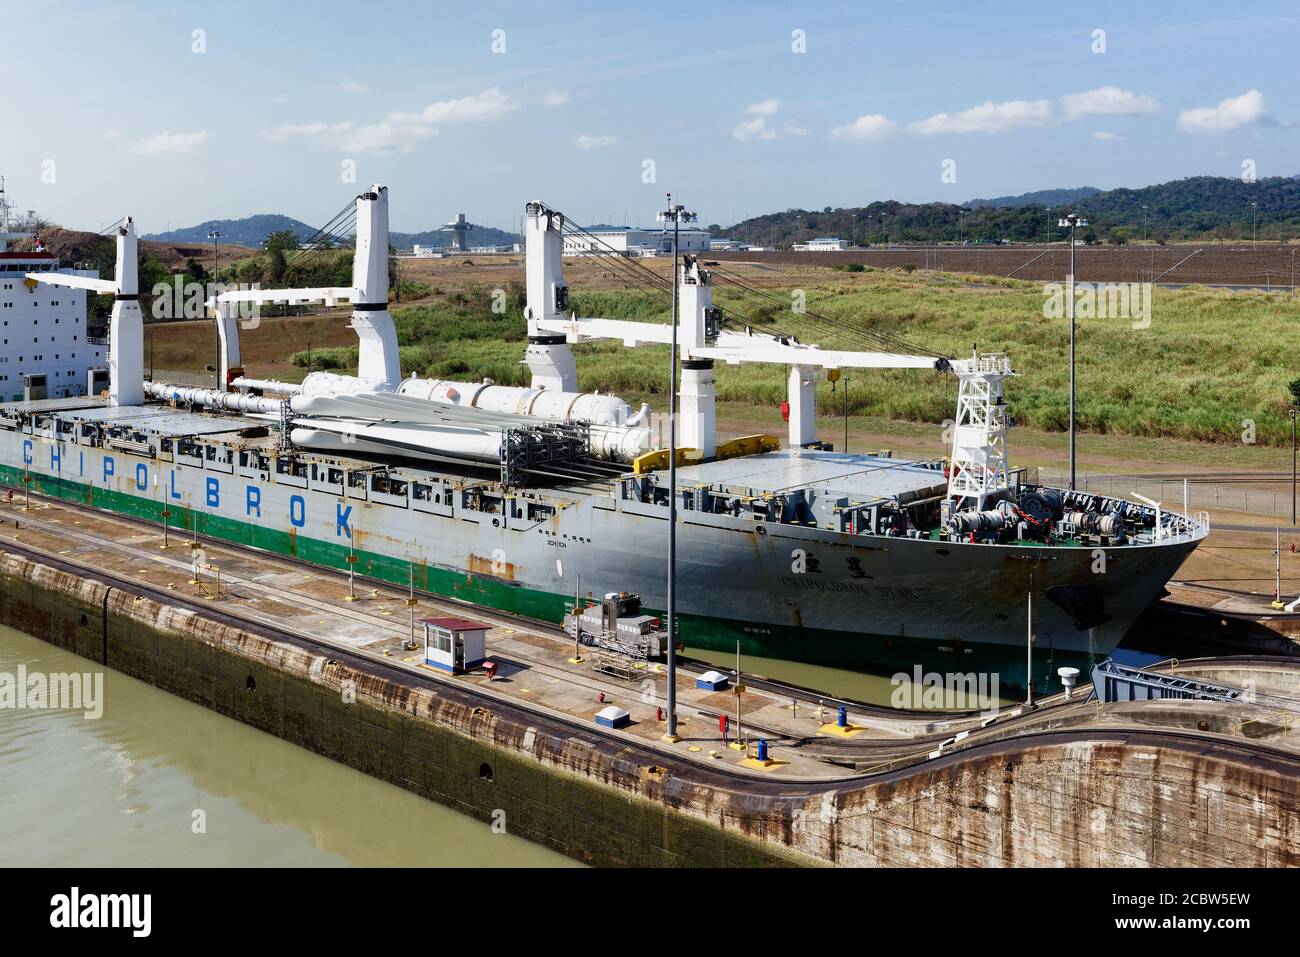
(1294,387)
(276,266)
(395,272)
(282,240)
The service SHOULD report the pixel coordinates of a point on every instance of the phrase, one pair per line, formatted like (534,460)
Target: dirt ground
(1271,265)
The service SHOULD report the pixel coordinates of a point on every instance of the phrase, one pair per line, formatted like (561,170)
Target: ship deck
(861,478)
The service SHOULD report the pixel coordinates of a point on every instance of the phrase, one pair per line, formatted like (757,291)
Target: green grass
(1210,359)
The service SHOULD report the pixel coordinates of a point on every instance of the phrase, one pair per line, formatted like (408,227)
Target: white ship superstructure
(44,348)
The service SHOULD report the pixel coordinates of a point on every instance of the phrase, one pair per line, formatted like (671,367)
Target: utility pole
(1293,463)
(1254,217)
(846,417)
(676,214)
(1146,233)
(216,326)
(1029,646)
(1073,222)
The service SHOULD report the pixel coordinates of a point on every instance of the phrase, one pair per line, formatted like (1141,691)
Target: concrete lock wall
(551,790)
(1071,797)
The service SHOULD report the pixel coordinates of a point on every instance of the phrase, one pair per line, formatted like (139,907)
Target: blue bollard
(842,718)
(762,749)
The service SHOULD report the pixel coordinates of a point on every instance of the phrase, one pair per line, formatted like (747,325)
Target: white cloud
(400,132)
(111,134)
(280,99)
(491,104)
(587,142)
(556,98)
(171,142)
(751,128)
(1107,137)
(1108,101)
(756,127)
(988,117)
(352,86)
(1228,115)
(872,126)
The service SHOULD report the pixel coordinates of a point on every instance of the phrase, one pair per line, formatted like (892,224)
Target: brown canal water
(130,787)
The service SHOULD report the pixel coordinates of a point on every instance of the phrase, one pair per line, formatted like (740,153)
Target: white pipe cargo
(521,400)
(212,399)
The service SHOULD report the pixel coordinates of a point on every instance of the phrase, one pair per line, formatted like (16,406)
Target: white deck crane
(978,463)
(378,363)
(126,324)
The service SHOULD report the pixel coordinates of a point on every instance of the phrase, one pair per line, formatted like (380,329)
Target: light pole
(961,226)
(1254,216)
(1293,418)
(1073,222)
(1146,233)
(675,214)
(216,355)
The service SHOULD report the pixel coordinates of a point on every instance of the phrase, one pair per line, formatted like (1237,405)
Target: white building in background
(44,350)
(429,252)
(727,245)
(633,241)
(822,244)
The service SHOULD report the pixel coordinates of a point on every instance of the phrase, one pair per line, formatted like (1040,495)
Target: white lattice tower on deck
(978,467)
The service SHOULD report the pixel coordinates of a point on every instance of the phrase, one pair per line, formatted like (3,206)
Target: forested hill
(1200,207)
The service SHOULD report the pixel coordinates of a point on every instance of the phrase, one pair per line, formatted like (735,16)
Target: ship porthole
(485,772)
(760,529)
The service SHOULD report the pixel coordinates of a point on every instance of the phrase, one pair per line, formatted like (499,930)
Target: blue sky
(736,122)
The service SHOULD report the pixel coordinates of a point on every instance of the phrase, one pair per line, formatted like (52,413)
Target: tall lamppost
(1254,218)
(214,235)
(1146,233)
(675,214)
(1072,221)
(1293,418)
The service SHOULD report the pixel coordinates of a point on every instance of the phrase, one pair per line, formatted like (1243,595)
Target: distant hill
(1200,207)
(1040,197)
(252,231)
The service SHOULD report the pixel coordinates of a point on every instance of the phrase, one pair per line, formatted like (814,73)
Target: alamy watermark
(932,691)
(189,300)
(25,690)
(1105,300)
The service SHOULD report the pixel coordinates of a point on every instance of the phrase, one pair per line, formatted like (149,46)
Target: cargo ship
(529,499)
